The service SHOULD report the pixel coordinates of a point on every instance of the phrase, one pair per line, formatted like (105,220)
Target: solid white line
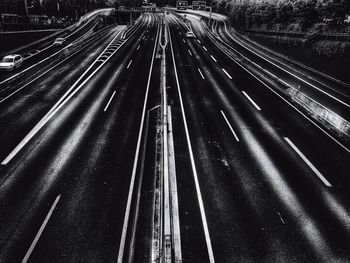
(195,175)
(213,58)
(228,75)
(313,168)
(205,48)
(38,52)
(285,100)
(132,182)
(129,64)
(229,125)
(251,100)
(19,73)
(36,239)
(109,101)
(31,81)
(200,72)
(290,73)
(138,47)
(59,104)
(189,52)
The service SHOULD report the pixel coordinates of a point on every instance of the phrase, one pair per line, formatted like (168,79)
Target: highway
(266,196)
(139,144)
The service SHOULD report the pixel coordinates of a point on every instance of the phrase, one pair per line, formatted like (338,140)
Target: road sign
(199,5)
(181,5)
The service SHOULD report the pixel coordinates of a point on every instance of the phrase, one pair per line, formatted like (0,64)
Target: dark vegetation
(319,21)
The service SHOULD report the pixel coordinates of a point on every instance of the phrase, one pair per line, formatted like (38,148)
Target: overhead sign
(181,5)
(199,5)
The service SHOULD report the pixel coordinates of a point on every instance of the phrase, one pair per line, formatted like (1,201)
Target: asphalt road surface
(84,159)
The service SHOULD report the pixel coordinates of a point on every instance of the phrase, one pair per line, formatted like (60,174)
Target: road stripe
(138,47)
(205,48)
(195,175)
(290,73)
(42,227)
(213,58)
(59,104)
(184,40)
(109,101)
(228,75)
(31,81)
(313,168)
(229,125)
(285,100)
(189,51)
(279,214)
(129,64)
(200,72)
(198,41)
(251,100)
(19,73)
(136,158)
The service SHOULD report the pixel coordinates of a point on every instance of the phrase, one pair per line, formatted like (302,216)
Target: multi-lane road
(140,144)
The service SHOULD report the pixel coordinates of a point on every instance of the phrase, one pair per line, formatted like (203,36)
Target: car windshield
(7,60)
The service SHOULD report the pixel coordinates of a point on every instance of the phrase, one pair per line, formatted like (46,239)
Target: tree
(306,12)
(335,10)
(284,11)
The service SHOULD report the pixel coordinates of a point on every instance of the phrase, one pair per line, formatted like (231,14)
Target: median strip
(136,158)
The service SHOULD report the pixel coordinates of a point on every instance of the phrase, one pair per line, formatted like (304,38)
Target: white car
(189,34)
(11,62)
(59,41)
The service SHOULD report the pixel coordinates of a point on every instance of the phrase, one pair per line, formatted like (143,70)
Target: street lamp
(26,7)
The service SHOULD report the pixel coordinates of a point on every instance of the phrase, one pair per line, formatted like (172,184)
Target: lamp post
(26,7)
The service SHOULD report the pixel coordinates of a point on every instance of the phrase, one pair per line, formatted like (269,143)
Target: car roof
(12,56)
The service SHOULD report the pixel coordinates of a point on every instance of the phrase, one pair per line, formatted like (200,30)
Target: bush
(331,48)
(250,13)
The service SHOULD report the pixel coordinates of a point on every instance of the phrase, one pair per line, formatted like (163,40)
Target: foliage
(252,13)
